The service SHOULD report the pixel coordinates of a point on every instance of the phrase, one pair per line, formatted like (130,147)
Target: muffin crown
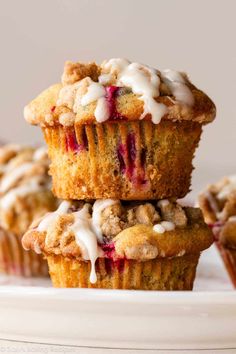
(119,90)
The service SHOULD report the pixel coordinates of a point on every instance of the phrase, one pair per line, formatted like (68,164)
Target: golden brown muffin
(121,130)
(121,245)
(24,195)
(218,204)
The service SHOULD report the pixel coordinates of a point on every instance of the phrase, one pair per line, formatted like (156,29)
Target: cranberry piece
(120,155)
(71,141)
(143,157)
(131,152)
(128,152)
(108,249)
(108,265)
(53,108)
(111,93)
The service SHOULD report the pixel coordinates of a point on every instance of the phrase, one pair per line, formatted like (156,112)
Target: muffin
(24,195)
(15,261)
(117,244)
(121,130)
(218,204)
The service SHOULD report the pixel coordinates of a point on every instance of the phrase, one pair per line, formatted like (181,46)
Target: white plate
(202,319)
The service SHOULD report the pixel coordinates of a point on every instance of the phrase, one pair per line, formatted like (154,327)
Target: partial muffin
(24,195)
(218,204)
(15,261)
(121,245)
(121,130)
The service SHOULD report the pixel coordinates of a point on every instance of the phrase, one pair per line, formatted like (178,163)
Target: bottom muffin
(14,260)
(218,204)
(121,245)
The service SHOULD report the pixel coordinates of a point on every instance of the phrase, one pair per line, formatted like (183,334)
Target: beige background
(195,36)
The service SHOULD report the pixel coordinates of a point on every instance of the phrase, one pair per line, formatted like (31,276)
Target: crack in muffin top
(119,90)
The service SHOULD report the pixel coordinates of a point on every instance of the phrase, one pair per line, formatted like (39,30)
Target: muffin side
(218,204)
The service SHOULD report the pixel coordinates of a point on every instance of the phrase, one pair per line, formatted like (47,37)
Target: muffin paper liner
(229,259)
(176,273)
(128,160)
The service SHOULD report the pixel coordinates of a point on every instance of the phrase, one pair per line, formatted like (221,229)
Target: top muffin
(121,130)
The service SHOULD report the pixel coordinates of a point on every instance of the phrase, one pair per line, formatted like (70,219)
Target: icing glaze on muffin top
(142,80)
(130,229)
(119,90)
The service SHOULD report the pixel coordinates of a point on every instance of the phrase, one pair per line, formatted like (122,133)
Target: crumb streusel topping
(118,89)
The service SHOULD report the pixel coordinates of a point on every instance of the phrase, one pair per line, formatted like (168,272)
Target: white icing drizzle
(32,186)
(164,226)
(51,217)
(232,218)
(228,188)
(94,92)
(144,81)
(177,84)
(12,183)
(17,173)
(40,153)
(159,228)
(102,111)
(104,79)
(86,229)
(163,203)
(86,238)
(98,207)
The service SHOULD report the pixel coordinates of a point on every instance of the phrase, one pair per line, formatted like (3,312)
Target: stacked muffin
(121,139)
(24,195)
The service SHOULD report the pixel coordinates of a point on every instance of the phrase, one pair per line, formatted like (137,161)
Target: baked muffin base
(175,273)
(128,160)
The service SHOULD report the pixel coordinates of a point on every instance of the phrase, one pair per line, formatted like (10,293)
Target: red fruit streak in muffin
(111,261)
(53,108)
(72,143)
(128,152)
(111,93)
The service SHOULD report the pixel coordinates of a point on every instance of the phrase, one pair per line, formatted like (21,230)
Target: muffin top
(119,90)
(218,204)
(114,229)
(23,179)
